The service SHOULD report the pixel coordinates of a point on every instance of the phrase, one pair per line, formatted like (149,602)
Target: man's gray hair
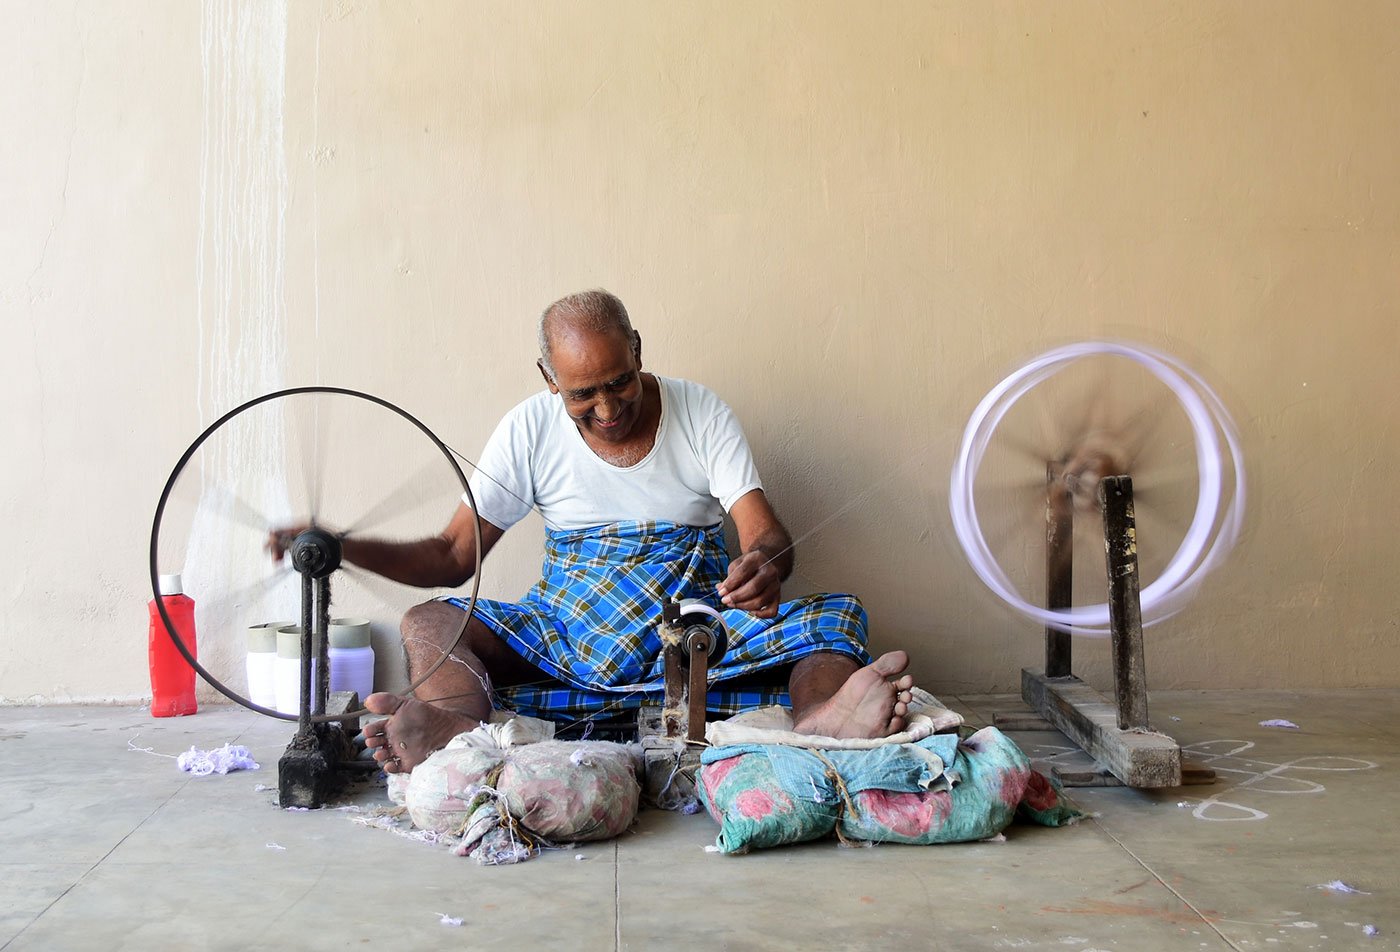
(596,311)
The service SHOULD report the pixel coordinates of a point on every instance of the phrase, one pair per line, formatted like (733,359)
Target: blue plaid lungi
(593,622)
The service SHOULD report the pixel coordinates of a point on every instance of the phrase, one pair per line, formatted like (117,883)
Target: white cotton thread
(131,745)
(482,677)
(380,821)
(1337,885)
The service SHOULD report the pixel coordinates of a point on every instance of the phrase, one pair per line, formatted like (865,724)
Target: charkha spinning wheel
(1075,429)
(236,484)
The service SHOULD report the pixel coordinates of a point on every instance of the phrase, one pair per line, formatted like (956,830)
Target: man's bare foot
(869,704)
(411,732)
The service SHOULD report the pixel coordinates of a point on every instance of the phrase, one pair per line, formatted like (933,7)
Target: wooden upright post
(1129,751)
(673,710)
(1059,568)
(1124,603)
(698,690)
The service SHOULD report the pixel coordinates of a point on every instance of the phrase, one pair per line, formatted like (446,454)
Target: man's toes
(904,683)
(891,663)
(376,733)
(382,702)
(896,725)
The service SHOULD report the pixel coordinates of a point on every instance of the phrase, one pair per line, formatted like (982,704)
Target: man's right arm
(446,560)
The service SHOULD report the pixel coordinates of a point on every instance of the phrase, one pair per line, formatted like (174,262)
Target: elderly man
(632,473)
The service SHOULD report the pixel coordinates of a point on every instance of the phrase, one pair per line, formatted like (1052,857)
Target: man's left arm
(755,579)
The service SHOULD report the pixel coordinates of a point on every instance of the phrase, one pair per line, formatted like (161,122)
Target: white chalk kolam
(1215,525)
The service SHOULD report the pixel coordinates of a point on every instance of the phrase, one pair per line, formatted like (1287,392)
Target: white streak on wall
(241,314)
(316,199)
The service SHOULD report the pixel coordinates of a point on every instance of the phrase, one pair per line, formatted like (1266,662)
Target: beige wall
(849,219)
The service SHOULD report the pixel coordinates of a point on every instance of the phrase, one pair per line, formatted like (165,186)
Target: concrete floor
(107,848)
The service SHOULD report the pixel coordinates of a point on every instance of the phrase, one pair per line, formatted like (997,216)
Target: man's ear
(547,378)
(637,347)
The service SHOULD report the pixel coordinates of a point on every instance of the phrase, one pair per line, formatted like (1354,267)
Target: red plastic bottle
(172,678)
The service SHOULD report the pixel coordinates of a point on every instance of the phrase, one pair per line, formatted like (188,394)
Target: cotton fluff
(221,760)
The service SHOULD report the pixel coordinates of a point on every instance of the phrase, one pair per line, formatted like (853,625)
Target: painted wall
(851,220)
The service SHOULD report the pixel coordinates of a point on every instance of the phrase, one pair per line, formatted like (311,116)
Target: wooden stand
(1115,733)
(672,737)
(320,760)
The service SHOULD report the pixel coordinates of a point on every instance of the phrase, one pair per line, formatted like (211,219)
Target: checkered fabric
(593,621)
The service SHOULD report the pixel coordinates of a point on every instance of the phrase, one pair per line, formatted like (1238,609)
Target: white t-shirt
(699,466)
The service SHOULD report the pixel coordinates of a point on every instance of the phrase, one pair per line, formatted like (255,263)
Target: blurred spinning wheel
(318,458)
(1059,425)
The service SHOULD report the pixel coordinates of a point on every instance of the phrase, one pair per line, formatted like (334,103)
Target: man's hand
(753,585)
(755,578)
(279,540)
(441,561)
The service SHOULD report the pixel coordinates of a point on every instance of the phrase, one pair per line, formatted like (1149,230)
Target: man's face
(599,377)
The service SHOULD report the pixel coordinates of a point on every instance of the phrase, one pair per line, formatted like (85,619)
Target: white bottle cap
(170,585)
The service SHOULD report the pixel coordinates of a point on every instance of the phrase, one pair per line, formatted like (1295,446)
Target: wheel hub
(315,552)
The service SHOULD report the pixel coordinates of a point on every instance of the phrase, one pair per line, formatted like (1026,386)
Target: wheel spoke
(236,509)
(249,597)
(390,596)
(1023,448)
(403,499)
(311,424)
(1138,431)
